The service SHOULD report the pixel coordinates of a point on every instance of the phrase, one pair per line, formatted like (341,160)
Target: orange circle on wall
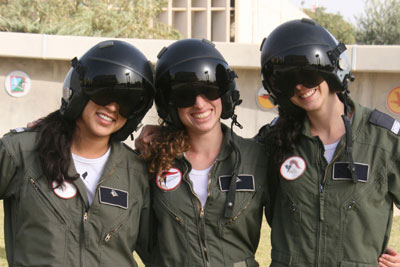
(393,100)
(263,100)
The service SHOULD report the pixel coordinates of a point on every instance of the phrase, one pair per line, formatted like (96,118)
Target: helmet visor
(184,95)
(284,81)
(130,100)
(184,82)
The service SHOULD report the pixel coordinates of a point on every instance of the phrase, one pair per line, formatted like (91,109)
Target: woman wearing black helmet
(74,195)
(336,162)
(203,219)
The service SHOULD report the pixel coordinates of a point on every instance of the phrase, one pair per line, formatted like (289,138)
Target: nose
(200,100)
(300,86)
(113,106)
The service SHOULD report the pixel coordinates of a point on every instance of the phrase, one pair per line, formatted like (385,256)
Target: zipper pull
(321,188)
(201,212)
(107,238)
(85,216)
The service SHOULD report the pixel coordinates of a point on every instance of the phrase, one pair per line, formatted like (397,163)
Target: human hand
(146,136)
(391,258)
(32,123)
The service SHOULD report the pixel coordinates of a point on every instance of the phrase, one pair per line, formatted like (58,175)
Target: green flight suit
(192,236)
(321,217)
(44,229)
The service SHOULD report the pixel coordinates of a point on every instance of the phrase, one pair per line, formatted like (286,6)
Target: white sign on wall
(17,83)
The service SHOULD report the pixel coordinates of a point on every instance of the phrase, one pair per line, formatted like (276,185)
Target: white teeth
(104,117)
(202,115)
(309,93)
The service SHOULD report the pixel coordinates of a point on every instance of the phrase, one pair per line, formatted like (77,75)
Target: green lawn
(262,254)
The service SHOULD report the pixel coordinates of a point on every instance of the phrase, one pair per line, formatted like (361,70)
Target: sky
(347,8)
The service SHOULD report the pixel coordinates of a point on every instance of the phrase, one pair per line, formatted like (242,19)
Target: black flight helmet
(190,67)
(302,51)
(111,71)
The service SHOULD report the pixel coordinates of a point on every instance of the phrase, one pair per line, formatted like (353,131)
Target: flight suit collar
(355,126)
(226,149)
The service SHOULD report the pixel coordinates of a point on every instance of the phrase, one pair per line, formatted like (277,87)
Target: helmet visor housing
(182,83)
(116,84)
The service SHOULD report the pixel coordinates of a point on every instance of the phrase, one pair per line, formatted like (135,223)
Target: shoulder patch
(383,120)
(19,130)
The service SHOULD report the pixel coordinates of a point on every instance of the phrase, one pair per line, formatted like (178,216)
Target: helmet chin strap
(230,199)
(349,142)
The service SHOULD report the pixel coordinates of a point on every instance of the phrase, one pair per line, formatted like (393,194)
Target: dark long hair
(54,147)
(281,139)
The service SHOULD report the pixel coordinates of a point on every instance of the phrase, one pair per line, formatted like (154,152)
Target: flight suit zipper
(322,199)
(85,218)
(201,210)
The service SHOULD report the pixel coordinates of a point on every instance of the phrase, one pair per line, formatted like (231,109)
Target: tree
(334,23)
(381,23)
(106,18)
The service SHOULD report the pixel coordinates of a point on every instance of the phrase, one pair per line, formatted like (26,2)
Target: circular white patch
(293,167)
(67,190)
(169,180)
(17,83)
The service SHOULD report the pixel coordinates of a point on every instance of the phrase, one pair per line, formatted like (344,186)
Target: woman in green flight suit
(74,195)
(337,163)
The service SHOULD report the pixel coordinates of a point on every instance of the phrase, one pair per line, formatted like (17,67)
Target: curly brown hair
(164,148)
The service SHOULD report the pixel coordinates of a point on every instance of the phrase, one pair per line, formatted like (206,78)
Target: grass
(262,255)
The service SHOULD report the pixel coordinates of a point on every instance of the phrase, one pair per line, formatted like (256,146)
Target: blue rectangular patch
(244,182)
(113,197)
(341,172)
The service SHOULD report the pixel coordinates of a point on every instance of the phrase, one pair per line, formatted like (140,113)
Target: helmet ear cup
(74,100)
(230,100)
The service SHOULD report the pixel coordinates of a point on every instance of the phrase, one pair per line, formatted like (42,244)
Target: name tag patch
(244,182)
(113,197)
(341,171)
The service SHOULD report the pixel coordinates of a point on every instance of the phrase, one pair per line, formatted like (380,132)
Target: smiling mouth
(308,94)
(202,115)
(104,117)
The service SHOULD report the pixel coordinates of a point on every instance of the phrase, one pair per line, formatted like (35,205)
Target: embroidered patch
(341,171)
(66,191)
(293,167)
(169,180)
(244,182)
(113,197)
(19,130)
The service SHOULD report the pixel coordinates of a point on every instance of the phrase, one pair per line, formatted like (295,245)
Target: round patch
(293,167)
(169,180)
(263,99)
(17,83)
(393,100)
(67,190)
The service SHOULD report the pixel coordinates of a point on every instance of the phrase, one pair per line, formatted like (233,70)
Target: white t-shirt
(199,180)
(90,171)
(330,151)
